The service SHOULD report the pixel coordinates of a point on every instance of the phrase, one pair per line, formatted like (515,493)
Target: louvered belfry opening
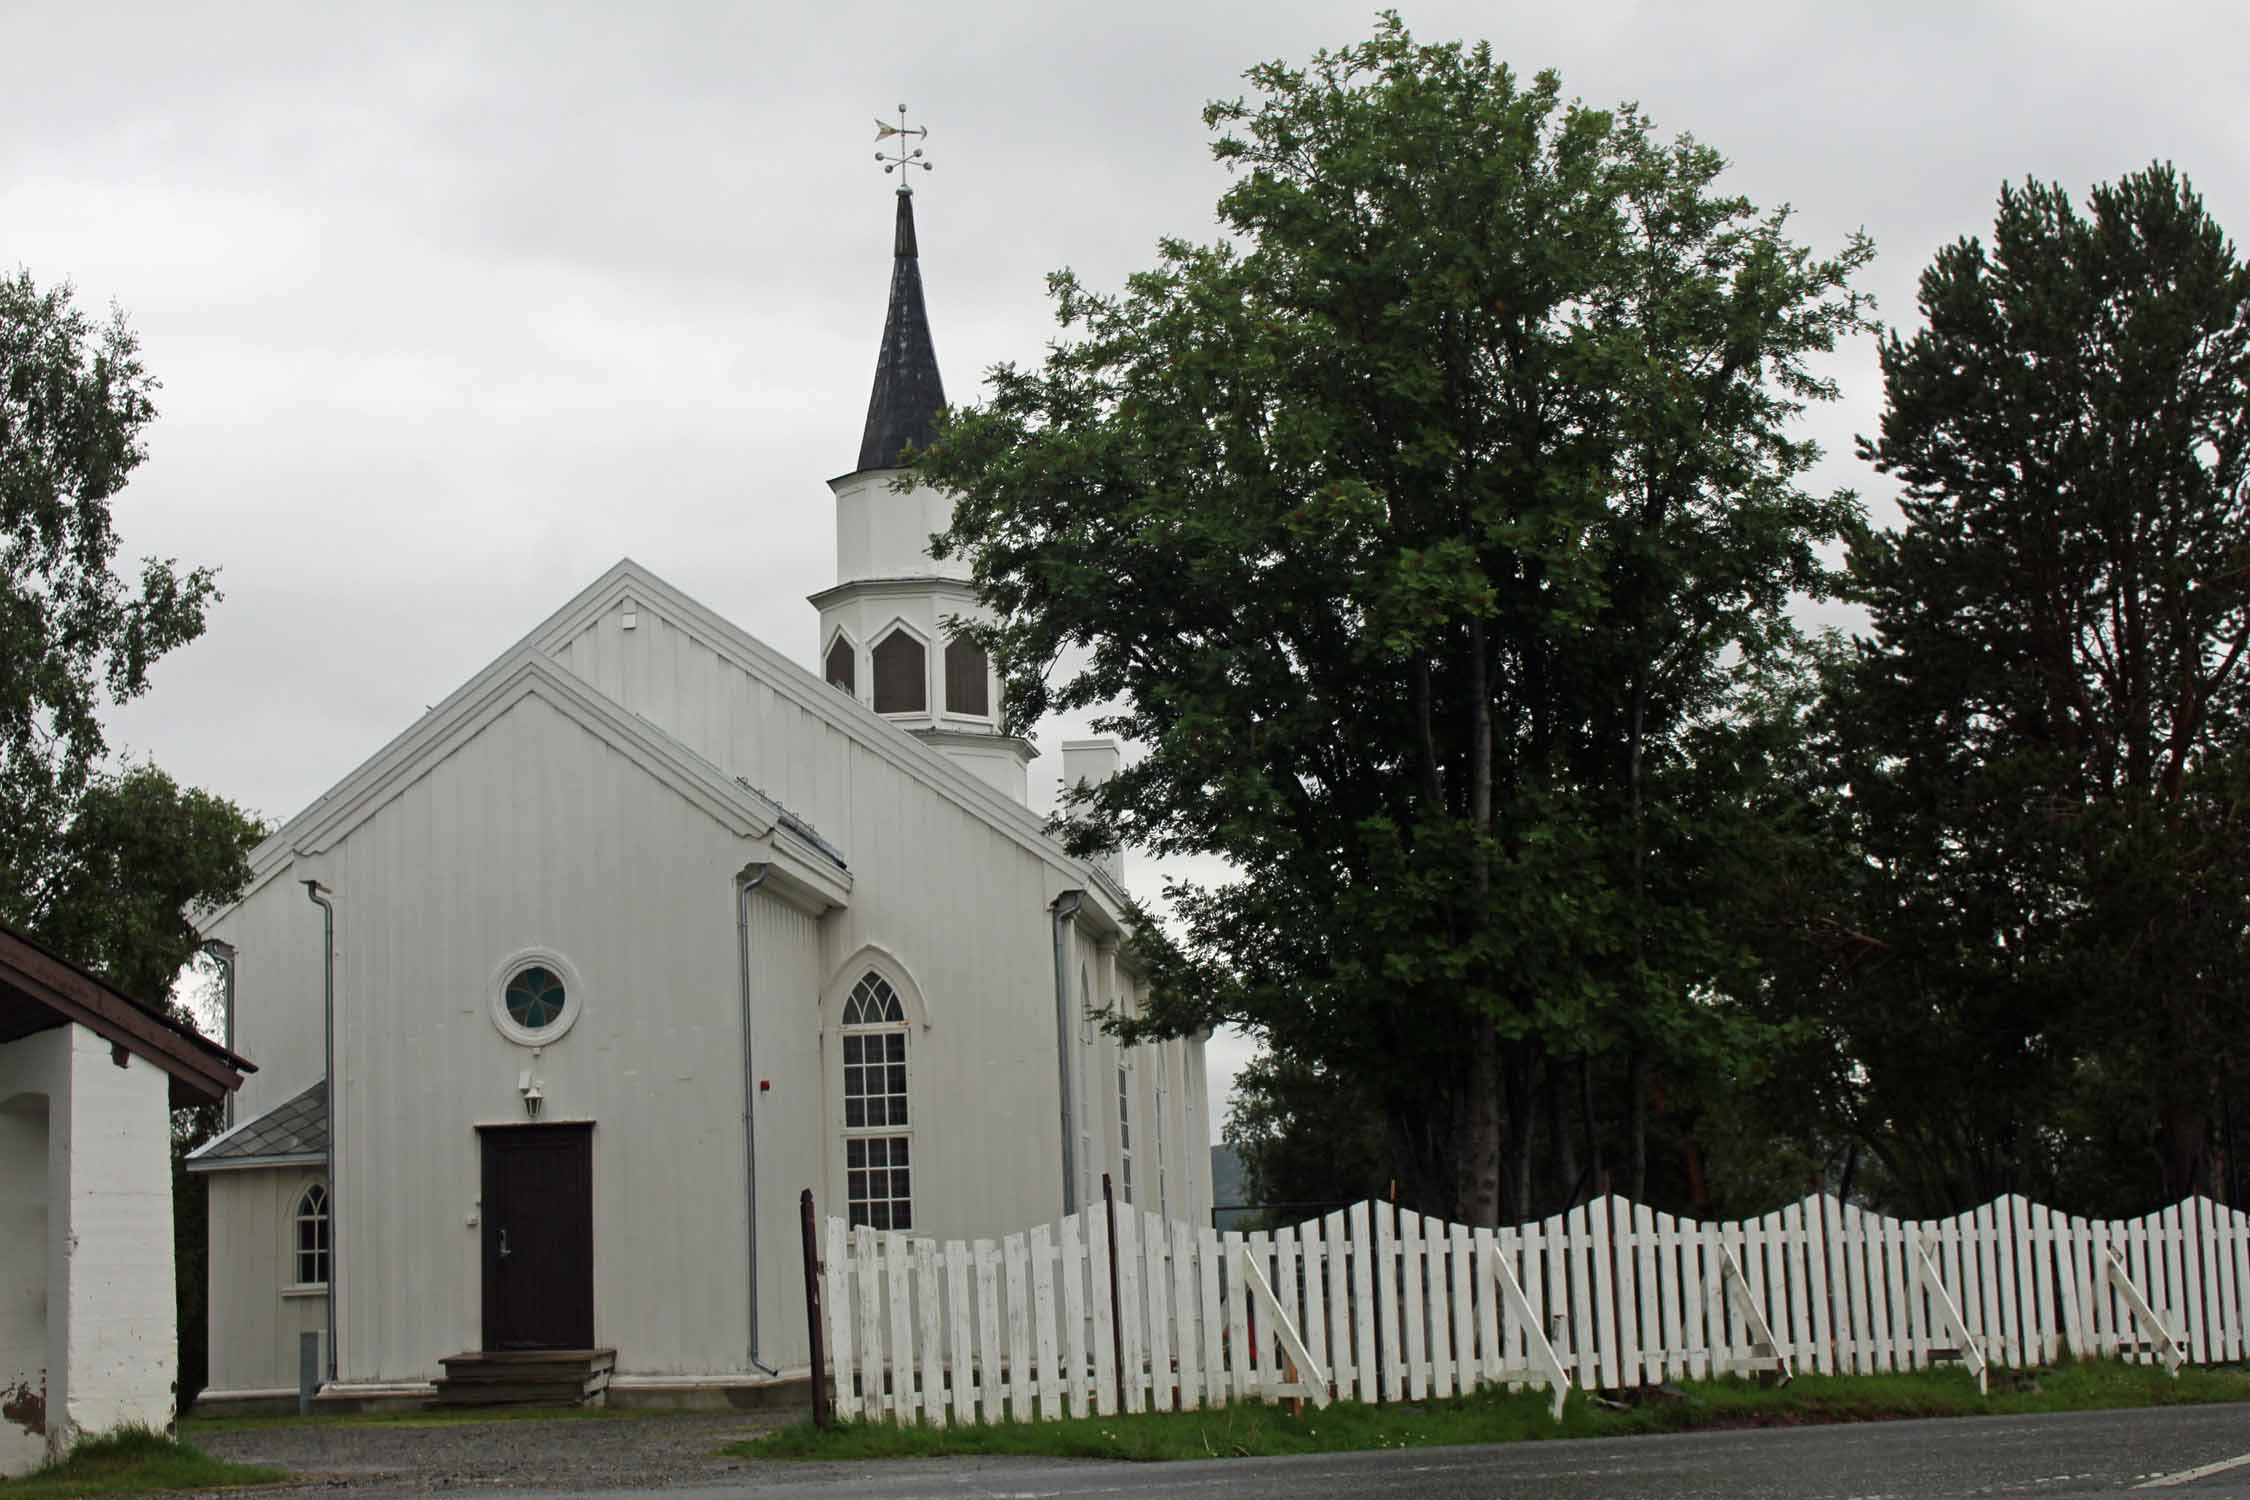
(901,675)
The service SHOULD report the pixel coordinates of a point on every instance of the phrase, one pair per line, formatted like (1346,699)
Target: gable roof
(840,711)
(40,990)
(815,870)
(292,1133)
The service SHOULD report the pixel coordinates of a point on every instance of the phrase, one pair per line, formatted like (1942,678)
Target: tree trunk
(1558,1135)
(1636,1139)
(2185,1146)
(1596,1177)
(1476,1148)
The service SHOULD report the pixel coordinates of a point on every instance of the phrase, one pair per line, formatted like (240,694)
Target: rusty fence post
(1116,1306)
(820,1408)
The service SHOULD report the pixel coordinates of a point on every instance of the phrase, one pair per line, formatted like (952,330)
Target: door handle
(503,1244)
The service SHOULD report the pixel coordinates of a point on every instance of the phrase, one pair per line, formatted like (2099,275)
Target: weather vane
(905,160)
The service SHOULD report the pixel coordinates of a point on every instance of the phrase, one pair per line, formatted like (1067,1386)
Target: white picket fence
(1379,1304)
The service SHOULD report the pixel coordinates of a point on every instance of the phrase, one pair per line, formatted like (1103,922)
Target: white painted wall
(533,832)
(253,1238)
(23,1264)
(882,534)
(108,1313)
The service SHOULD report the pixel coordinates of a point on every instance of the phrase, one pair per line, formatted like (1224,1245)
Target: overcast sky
(454,306)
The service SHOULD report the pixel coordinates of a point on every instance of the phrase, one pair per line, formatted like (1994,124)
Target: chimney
(1090,763)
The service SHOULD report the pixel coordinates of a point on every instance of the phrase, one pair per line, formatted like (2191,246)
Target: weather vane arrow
(905,158)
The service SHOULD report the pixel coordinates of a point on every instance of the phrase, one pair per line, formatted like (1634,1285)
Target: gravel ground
(651,1450)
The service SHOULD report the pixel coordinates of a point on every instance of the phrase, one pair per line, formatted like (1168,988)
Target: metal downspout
(313,888)
(749,880)
(1066,907)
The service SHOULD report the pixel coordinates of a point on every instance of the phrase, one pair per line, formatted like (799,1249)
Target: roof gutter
(1065,909)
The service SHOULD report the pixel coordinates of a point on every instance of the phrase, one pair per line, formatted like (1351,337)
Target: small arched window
(967,688)
(878,1188)
(310,1236)
(842,667)
(902,679)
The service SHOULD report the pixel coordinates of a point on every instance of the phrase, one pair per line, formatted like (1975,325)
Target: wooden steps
(543,1377)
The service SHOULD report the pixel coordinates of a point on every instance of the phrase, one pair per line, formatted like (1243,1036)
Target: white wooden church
(641,931)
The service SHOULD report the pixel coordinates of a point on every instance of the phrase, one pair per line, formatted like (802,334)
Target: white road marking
(2186,1476)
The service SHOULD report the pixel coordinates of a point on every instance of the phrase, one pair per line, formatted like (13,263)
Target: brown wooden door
(538,1237)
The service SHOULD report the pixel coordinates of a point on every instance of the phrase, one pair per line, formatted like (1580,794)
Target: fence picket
(1077,1390)
(1102,1311)
(2237,1251)
(1339,1284)
(1600,1273)
(874,1397)
(1016,1256)
(1265,1354)
(1048,1384)
(2105,1312)
(1388,1354)
(843,1387)
(1464,1308)
(1410,1274)
(1669,1280)
(1363,1303)
(1187,1343)
(1695,1306)
(1238,1321)
(1626,1288)
(1131,1388)
(1492,1354)
(1283,1284)
(1208,1271)
(1156,1300)
(2035,1280)
(928,1304)
(2182,1319)
(985,1262)
(1313,1253)
(1812,1214)
(898,1283)
(961,1370)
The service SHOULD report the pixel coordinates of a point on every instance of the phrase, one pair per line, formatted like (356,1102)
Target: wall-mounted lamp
(528,1086)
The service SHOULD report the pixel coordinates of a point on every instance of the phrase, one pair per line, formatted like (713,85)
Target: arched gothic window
(878,1190)
(902,679)
(967,687)
(843,666)
(310,1236)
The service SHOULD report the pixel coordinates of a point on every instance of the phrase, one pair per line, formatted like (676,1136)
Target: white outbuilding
(563,996)
(88,1078)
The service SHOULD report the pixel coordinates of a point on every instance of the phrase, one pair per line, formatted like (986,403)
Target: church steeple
(908,393)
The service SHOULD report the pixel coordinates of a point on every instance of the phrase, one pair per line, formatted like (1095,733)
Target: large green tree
(1431,534)
(2044,738)
(99,862)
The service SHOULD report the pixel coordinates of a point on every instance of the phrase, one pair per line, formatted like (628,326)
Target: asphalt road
(2050,1457)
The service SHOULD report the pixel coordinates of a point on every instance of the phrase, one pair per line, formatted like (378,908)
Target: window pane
(902,1216)
(879,1214)
(894,1047)
(851,1049)
(855,1114)
(843,666)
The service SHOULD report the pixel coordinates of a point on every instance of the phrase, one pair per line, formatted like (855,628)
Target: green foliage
(2038,979)
(1434,535)
(133,1461)
(95,862)
(1306,1136)
(1257,1431)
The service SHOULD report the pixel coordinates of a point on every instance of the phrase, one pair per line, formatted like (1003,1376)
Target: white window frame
(847,1031)
(574,996)
(326,1253)
(1125,1129)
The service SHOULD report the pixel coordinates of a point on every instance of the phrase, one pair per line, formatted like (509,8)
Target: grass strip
(134,1461)
(1258,1431)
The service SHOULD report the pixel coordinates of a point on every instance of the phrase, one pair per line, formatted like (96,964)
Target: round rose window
(535,998)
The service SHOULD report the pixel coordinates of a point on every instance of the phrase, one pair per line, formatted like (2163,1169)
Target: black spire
(908,393)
